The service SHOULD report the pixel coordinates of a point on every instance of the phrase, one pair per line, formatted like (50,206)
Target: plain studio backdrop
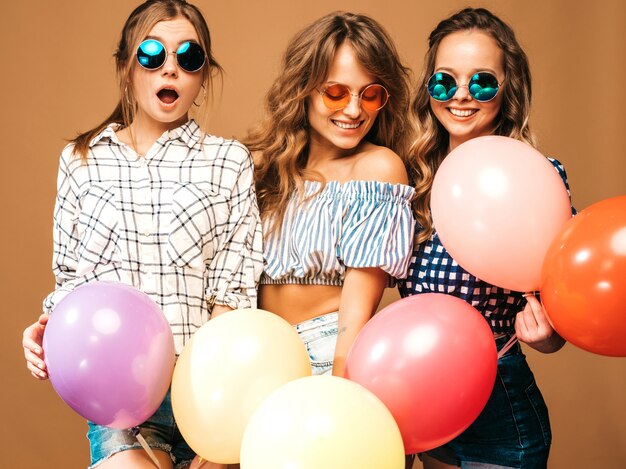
(58,78)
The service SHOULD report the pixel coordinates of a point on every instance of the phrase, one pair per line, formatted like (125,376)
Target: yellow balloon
(227,369)
(322,422)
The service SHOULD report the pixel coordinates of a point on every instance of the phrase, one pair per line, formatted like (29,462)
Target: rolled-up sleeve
(65,238)
(235,269)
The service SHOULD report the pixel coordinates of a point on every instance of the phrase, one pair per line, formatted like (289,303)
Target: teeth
(462,112)
(345,125)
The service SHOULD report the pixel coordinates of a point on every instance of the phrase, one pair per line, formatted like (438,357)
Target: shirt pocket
(97,227)
(198,223)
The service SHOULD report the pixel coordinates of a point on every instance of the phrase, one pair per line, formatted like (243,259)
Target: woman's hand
(532,327)
(32,340)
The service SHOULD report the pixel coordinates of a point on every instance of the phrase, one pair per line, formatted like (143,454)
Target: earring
(203,97)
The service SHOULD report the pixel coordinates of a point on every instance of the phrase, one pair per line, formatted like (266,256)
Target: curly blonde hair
(281,141)
(431,140)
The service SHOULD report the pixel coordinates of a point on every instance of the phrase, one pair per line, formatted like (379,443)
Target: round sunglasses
(337,96)
(151,55)
(483,86)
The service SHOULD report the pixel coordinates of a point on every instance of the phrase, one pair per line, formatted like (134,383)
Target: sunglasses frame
(168,54)
(359,96)
(466,85)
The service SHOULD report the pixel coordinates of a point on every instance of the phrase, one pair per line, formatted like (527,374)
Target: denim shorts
(513,430)
(159,431)
(320,338)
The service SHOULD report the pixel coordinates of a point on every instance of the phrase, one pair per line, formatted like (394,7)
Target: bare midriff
(298,303)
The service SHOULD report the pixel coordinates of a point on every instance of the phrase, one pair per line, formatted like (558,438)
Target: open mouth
(167,96)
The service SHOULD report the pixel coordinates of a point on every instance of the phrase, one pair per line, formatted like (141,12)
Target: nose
(353,109)
(170,67)
(462,93)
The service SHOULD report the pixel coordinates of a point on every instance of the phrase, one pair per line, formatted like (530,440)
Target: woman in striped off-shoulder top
(332,188)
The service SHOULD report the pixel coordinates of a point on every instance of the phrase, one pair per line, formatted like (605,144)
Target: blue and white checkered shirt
(433,270)
(181,224)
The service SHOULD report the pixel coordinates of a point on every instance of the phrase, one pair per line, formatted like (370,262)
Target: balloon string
(144,444)
(507,346)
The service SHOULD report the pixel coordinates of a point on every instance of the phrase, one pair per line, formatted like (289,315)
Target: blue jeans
(160,432)
(320,339)
(513,430)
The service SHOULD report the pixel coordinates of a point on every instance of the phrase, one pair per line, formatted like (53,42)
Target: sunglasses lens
(336,97)
(442,86)
(483,86)
(151,54)
(374,97)
(190,56)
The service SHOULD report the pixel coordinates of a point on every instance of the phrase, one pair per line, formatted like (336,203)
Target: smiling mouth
(167,96)
(346,125)
(462,112)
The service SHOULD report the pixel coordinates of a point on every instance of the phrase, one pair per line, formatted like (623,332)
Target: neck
(146,131)
(323,152)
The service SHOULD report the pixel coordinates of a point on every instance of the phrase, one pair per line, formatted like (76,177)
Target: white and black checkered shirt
(181,224)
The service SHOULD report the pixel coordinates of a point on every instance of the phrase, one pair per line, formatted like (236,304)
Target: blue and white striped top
(351,224)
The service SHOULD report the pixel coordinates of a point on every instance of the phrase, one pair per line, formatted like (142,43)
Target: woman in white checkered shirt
(147,198)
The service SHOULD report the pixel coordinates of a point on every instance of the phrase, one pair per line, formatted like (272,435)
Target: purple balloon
(110,353)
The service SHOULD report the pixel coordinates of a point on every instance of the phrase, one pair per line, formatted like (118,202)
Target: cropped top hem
(330,282)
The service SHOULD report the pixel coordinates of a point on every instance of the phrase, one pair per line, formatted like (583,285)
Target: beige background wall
(57,78)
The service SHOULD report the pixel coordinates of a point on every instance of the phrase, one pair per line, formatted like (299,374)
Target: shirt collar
(189,133)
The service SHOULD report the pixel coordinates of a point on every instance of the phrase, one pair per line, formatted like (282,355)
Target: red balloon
(432,360)
(584,279)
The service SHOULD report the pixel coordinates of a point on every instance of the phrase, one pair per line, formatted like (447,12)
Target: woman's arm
(532,327)
(360,296)
(32,340)
(235,270)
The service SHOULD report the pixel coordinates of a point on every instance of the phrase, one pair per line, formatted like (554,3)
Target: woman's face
(462,54)
(341,130)
(165,95)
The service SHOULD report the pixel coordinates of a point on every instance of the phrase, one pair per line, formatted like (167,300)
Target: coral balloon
(322,422)
(432,360)
(230,365)
(110,353)
(497,204)
(584,279)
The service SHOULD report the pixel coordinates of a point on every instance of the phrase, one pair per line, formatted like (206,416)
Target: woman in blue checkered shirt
(476,82)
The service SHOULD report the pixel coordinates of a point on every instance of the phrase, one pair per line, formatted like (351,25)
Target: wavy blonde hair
(136,28)
(431,140)
(281,141)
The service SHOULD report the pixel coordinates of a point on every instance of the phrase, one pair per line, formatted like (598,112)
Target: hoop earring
(203,97)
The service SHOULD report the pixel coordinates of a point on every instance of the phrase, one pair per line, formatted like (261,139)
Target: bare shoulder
(378,163)
(257,157)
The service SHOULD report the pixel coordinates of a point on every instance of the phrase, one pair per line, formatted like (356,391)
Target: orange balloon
(584,279)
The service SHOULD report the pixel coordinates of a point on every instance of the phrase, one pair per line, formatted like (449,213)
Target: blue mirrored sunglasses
(151,55)
(483,86)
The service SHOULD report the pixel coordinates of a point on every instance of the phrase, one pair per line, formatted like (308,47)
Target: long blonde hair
(136,28)
(281,140)
(431,141)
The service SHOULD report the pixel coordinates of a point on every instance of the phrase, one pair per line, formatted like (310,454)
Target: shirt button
(146,233)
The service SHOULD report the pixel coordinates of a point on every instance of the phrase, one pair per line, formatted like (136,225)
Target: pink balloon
(110,353)
(431,358)
(497,204)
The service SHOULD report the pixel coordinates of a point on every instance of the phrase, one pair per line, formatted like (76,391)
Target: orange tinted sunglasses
(337,96)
